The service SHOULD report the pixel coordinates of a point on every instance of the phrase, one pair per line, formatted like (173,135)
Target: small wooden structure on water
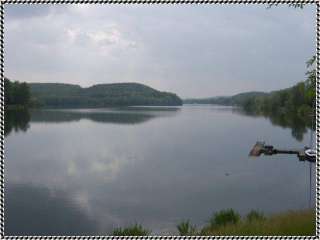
(305,154)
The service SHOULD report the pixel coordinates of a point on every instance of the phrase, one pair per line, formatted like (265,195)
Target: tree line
(298,100)
(68,96)
(16,93)
(59,95)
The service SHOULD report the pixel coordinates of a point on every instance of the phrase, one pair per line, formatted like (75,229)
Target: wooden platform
(257,149)
(260,148)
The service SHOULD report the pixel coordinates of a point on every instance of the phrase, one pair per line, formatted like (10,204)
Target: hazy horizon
(195,51)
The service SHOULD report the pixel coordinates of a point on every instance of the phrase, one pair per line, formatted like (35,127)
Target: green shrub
(254,215)
(292,223)
(135,230)
(186,229)
(223,217)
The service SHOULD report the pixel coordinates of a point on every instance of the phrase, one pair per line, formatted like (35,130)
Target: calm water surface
(84,172)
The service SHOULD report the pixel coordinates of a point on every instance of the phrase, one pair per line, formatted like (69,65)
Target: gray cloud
(23,11)
(192,50)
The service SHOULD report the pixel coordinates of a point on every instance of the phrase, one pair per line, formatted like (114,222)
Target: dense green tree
(16,93)
(299,99)
(7,91)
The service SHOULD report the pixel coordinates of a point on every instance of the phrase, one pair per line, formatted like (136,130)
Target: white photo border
(2,151)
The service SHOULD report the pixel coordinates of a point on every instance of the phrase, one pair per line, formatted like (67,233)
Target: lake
(88,171)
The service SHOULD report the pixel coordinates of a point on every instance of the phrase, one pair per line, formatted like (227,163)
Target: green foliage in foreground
(294,223)
(254,215)
(229,223)
(224,217)
(185,228)
(135,230)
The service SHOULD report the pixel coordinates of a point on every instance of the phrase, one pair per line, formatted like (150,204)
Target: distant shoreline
(99,96)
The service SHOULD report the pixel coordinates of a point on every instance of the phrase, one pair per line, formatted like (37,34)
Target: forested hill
(101,95)
(237,99)
(299,100)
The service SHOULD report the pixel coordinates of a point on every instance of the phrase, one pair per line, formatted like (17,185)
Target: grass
(135,230)
(293,223)
(229,223)
(186,229)
(254,215)
(224,217)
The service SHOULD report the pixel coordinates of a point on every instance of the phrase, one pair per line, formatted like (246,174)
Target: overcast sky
(192,50)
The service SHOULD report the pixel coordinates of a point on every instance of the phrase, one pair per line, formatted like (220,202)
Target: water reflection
(117,115)
(17,120)
(177,165)
(32,210)
(299,126)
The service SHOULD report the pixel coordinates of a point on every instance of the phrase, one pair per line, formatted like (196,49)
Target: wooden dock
(305,154)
